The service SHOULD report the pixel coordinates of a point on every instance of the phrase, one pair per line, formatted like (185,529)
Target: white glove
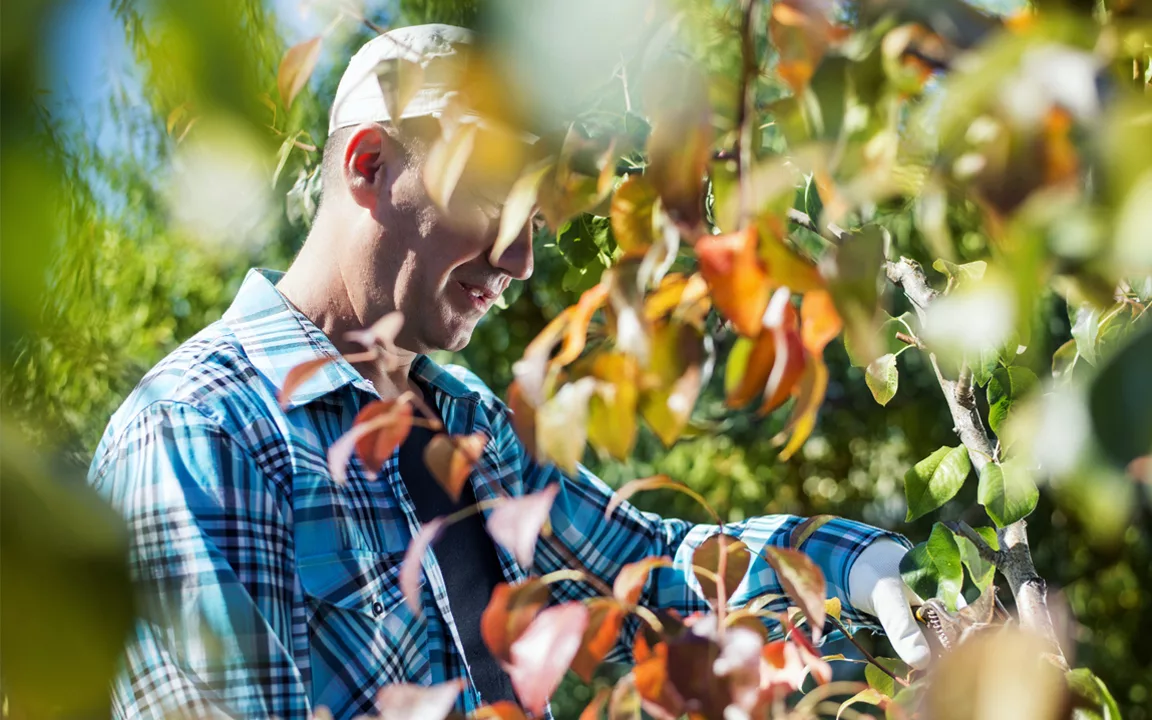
(875,587)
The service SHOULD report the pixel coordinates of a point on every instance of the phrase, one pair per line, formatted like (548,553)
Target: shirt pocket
(364,582)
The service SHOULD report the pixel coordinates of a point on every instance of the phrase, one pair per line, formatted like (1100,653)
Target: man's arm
(213,555)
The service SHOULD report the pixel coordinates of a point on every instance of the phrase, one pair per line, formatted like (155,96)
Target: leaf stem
(863,651)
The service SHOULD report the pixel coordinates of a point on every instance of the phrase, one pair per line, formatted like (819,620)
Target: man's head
(394,248)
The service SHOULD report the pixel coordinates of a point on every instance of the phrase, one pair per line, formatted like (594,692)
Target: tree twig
(982,547)
(867,655)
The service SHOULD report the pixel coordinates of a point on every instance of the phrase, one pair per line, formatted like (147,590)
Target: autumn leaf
(706,565)
(819,321)
(562,425)
(543,653)
(650,674)
(403,701)
(517,210)
(804,530)
(656,482)
(612,408)
(576,333)
(783,669)
(737,277)
(592,710)
(451,459)
(820,669)
(801,33)
(510,611)
(804,582)
(809,396)
(392,421)
(523,418)
(399,79)
(503,710)
(789,357)
(680,145)
(605,618)
(630,580)
(411,568)
(632,215)
(676,370)
(679,297)
(516,523)
(566,190)
(382,332)
(296,67)
(445,164)
(299,375)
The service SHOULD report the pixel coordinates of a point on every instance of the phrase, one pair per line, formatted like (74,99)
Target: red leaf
(543,653)
(296,68)
(632,577)
(510,611)
(411,568)
(737,276)
(503,710)
(605,619)
(780,321)
(299,375)
(707,558)
(451,459)
(516,523)
(803,581)
(404,701)
(651,677)
(392,422)
(783,670)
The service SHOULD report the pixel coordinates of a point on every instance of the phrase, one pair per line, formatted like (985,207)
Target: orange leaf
(503,710)
(510,611)
(632,577)
(679,295)
(707,557)
(393,421)
(801,33)
(296,68)
(404,701)
(1061,162)
(819,321)
(631,215)
(804,582)
(651,676)
(592,710)
(517,522)
(299,375)
(656,482)
(451,459)
(523,418)
(780,321)
(820,669)
(783,668)
(810,395)
(605,619)
(544,652)
(737,277)
(577,333)
(411,568)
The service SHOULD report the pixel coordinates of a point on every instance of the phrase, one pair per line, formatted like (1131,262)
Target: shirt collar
(277,337)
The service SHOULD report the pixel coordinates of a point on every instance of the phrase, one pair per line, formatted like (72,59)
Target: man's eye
(538,223)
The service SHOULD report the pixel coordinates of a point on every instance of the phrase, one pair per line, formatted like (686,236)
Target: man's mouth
(482,296)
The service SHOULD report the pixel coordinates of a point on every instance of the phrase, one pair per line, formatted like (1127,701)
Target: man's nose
(516,260)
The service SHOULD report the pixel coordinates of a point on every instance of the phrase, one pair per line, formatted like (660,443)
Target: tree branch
(1014,560)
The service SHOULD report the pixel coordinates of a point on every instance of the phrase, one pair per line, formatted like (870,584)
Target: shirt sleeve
(211,552)
(604,543)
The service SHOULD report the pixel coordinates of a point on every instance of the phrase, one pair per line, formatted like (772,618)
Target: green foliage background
(124,287)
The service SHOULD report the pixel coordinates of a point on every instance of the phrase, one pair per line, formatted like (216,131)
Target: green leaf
(968,272)
(1085,320)
(1064,360)
(888,344)
(933,568)
(882,681)
(1007,492)
(1005,389)
(980,570)
(906,702)
(283,153)
(867,695)
(1093,699)
(1120,401)
(983,365)
(883,378)
(935,480)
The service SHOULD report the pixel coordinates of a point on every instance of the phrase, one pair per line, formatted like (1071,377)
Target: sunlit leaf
(737,277)
(299,375)
(605,618)
(933,569)
(592,710)
(516,523)
(567,190)
(801,32)
(679,296)
(517,209)
(784,668)
(886,341)
(632,216)
(509,612)
(382,332)
(882,681)
(819,321)
(296,67)
(1007,491)
(523,418)
(785,266)
(1006,388)
(651,680)
(804,582)
(1092,694)
(680,145)
(400,79)
(883,378)
(980,570)
(577,331)
(393,421)
(751,364)
(612,409)
(966,272)
(562,425)
(656,482)
(411,568)
(780,322)
(403,701)
(867,695)
(451,459)
(677,368)
(625,700)
(935,480)
(445,164)
(706,565)
(809,397)
(804,530)
(543,653)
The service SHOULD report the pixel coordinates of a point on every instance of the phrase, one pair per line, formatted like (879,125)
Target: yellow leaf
(517,209)
(632,216)
(296,68)
(399,79)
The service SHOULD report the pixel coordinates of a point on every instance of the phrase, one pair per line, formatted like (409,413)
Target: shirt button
(378,609)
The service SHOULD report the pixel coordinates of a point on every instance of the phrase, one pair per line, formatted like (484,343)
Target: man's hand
(875,587)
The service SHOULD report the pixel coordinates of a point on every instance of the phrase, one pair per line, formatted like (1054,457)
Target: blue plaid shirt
(274,591)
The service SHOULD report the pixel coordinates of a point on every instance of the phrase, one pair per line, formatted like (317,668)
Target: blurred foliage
(99,282)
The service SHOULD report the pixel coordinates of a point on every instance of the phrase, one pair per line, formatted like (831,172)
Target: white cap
(440,50)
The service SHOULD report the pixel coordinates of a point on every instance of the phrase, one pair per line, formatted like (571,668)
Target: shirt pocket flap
(354,580)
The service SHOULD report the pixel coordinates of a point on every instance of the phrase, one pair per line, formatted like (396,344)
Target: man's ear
(368,157)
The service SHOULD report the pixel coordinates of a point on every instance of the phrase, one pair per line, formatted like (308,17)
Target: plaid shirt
(273,591)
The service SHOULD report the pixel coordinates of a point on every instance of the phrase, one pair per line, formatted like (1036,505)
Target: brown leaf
(296,67)
(451,459)
(411,568)
(605,618)
(804,582)
(631,215)
(392,422)
(299,375)
(517,522)
(510,611)
(544,652)
(656,482)
(523,418)
(632,577)
(804,530)
(706,565)
(737,277)
(404,701)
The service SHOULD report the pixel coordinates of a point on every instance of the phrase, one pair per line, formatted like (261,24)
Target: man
(275,590)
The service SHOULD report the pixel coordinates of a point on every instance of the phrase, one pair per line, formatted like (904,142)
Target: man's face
(432,265)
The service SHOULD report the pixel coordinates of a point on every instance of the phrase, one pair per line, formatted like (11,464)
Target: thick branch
(1014,561)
